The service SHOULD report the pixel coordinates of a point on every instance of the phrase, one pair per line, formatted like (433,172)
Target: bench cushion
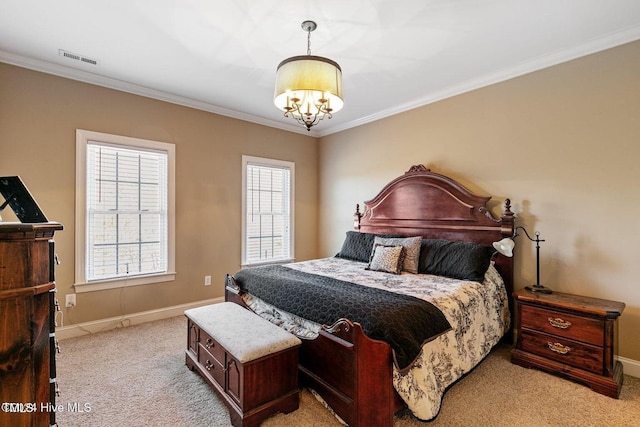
(242,333)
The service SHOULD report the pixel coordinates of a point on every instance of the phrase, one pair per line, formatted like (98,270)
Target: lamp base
(538,288)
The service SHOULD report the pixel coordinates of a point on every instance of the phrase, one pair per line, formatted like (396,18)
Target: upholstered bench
(251,363)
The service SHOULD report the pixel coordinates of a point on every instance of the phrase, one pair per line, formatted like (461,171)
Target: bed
(361,375)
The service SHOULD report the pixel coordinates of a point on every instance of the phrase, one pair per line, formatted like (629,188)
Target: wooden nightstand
(571,336)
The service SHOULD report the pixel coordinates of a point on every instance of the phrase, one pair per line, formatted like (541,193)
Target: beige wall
(563,143)
(39,115)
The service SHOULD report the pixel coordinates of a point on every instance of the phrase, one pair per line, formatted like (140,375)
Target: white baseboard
(630,367)
(86,328)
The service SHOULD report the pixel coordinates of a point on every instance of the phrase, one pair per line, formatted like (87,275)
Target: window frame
(280,164)
(84,138)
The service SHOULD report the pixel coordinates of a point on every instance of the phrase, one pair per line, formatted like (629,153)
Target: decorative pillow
(457,260)
(357,246)
(412,250)
(386,258)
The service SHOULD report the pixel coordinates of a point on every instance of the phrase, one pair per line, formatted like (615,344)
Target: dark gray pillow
(457,260)
(357,246)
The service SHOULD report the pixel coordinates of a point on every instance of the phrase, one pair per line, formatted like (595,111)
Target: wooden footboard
(351,372)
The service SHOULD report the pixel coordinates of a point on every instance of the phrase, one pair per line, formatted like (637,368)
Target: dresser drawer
(574,353)
(564,325)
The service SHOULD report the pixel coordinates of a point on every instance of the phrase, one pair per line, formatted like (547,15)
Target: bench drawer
(212,364)
(211,346)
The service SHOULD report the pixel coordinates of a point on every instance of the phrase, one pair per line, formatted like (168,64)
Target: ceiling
(221,56)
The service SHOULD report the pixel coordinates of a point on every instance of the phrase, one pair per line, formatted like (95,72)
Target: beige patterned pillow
(412,250)
(386,258)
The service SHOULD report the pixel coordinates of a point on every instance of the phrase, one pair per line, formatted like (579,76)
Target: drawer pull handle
(559,323)
(209,343)
(208,365)
(558,348)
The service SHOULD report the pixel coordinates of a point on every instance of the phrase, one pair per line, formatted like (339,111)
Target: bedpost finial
(507,206)
(356,218)
(507,214)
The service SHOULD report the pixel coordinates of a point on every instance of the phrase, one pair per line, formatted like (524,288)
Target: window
(124,211)
(267,210)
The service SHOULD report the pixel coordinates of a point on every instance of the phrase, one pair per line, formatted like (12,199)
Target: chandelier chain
(309,41)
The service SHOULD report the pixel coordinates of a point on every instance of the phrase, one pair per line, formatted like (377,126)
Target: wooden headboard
(427,204)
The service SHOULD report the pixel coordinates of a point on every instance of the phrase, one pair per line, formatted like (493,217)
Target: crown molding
(610,41)
(597,45)
(110,83)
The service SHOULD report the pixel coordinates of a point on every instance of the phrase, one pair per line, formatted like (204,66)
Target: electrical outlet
(70,301)
(207,280)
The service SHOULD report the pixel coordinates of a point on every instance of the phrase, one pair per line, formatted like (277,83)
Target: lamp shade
(308,81)
(505,246)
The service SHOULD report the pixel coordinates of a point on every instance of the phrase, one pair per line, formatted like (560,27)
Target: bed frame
(352,372)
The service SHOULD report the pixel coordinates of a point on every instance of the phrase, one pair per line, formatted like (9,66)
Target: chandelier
(308,87)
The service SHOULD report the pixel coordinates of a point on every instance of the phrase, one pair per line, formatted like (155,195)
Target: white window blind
(268,233)
(126,211)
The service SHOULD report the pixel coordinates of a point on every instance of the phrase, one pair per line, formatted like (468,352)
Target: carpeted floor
(136,376)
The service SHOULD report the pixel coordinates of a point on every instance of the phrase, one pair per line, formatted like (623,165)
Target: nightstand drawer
(565,325)
(562,350)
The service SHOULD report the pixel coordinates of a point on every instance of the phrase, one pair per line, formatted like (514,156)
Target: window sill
(270,262)
(101,285)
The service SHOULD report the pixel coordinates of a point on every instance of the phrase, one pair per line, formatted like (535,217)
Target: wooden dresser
(571,336)
(27,324)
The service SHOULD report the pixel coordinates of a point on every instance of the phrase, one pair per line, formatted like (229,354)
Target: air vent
(77,57)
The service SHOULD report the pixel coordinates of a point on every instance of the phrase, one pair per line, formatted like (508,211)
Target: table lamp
(505,247)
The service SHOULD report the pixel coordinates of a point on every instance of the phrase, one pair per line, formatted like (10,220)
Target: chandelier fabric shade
(308,87)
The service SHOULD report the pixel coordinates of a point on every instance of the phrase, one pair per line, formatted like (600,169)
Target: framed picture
(17,196)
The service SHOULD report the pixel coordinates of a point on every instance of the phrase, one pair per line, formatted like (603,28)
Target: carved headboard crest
(417,168)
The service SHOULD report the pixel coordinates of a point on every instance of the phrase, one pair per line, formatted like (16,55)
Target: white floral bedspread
(478,314)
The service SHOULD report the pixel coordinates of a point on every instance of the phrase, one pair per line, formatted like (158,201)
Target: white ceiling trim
(110,83)
(597,45)
(617,39)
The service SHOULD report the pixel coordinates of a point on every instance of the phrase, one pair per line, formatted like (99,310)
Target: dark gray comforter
(403,321)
